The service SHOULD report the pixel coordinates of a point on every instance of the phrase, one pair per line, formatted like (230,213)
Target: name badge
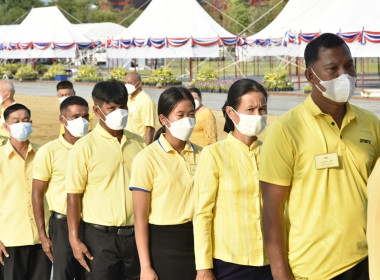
(326,161)
(193,168)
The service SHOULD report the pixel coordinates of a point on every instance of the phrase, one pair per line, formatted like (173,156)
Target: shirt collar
(165,145)
(102,132)
(64,143)
(139,95)
(9,150)
(315,110)
(240,144)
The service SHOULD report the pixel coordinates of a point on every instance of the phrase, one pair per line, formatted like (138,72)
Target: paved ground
(277,103)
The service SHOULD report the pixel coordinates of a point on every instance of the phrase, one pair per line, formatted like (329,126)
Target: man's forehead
(19,113)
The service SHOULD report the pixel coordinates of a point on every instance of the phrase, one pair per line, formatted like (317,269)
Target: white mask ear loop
(320,80)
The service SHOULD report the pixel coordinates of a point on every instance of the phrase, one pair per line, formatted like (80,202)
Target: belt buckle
(125,231)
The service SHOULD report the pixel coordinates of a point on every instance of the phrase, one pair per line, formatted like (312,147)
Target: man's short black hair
(73,100)
(14,108)
(110,91)
(65,85)
(326,40)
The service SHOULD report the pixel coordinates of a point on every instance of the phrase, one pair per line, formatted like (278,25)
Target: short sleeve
(206,184)
(148,113)
(142,173)
(42,166)
(277,156)
(77,169)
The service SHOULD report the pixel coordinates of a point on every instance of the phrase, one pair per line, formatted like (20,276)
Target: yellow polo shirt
(17,224)
(90,117)
(50,166)
(327,208)
(227,219)
(141,113)
(99,167)
(373,222)
(169,177)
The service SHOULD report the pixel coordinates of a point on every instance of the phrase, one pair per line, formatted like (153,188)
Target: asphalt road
(277,104)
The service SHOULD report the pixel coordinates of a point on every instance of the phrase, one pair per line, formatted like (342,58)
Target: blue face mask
(21,131)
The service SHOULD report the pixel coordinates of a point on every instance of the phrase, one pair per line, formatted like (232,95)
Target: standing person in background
(162,187)
(7,93)
(65,89)
(142,110)
(227,221)
(373,222)
(20,249)
(49,174)
(97,181)
(205,129)
(314,167)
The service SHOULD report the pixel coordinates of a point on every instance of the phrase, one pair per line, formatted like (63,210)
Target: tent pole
(191,69)
(290,68)
(181,68)
(368,67)
(108,60)
(235,67)
(134,64)
(254,65)
(362,64)
(224,66)
(218,67)
(151,65)
(258,66)
(298,73)
(378,66)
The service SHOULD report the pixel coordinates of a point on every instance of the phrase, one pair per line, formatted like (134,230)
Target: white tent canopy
(357,22)
(169,29)
(44,33)
(101,31)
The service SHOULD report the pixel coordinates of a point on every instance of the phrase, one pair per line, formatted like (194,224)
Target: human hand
(148,274)
(3,250)
(205,274)
(47,246)
(80,250)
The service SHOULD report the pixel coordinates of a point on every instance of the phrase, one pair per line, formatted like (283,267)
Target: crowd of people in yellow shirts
(120,200)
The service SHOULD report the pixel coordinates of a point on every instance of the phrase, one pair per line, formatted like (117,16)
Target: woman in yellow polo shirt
(227,221)
(162,184)
(205,129)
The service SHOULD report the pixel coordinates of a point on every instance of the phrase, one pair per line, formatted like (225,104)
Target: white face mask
(21,131)
(197,103)
(130,88)
(339,89)
(77,127)
(250,125)
(61,99)
(182,128)
(116,120)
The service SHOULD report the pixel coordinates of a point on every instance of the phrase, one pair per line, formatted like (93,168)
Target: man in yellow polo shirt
(97,181)
(141,108)
(49,174)
(7,92)
(20,249)
(315,163)
(65,89)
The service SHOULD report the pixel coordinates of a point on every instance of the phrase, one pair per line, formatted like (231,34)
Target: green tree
(128,16)
(10,10)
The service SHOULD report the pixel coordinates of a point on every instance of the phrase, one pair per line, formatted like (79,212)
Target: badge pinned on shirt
(193,168)
(132,109)
(326,161)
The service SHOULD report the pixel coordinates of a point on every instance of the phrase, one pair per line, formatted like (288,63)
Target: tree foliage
(236,18)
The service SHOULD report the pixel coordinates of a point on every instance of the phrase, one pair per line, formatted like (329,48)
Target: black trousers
(65,266)
(231,271)
(358,272)
(172,251)
(27,263)
(115,256)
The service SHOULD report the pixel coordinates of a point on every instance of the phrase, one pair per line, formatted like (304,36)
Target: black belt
(124,231)
(58,216)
